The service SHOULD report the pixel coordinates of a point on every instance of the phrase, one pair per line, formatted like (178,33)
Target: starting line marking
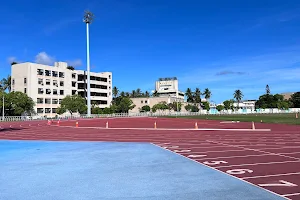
(288,195)
(281,183)
(196,156)
(273,175)
(267,163)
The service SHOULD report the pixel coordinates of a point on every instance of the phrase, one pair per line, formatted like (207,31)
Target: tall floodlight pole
(3,109)
(177,99)
(88,18)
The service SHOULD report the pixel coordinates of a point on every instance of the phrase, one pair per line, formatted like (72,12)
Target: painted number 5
(214,162)
(238,171)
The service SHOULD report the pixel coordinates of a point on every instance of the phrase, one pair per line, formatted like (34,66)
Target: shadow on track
(11,129)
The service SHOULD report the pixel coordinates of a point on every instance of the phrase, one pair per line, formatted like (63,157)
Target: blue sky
(220,45)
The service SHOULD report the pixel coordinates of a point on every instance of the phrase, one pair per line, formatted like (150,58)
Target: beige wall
(151,101)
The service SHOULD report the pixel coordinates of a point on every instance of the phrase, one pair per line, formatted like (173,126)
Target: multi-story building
(168,87)
(48,85)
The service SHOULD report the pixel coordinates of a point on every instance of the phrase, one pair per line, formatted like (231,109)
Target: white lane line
(288,195)
(226,173)
(214,151)
(292,153)
(272,175)
(257,150)
(233,157)
(267,163)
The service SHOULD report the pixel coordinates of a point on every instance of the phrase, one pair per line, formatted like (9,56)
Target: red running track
(270,160)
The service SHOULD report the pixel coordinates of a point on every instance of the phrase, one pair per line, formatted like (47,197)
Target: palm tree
(197,95)
(138,92)
(115,91)
(189,95)
(133,94)
(6,83)
(127,94)
(122,94)
(238,95)
(147,94)
(268,91)
(207,94)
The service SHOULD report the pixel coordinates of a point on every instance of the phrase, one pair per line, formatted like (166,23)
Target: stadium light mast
(3,109)
(88,18)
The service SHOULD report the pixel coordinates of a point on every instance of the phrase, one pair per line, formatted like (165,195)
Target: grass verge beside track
(266,118)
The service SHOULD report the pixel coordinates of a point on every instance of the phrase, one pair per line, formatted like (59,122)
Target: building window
(61,75)
(146,101)
(54,91)
(74,92)
(47,81)
(48,91)
(47,110)
(25,90)
(103,79)
(47,101)
(61,83)
(54,74)
(13,81)
(103,102)
(59,101)
(25,81)
(40,81)
(47,72)
(40,72)
(73,84)
(73,75)
(80,77)
(55,83)
(61,92)
(40,91)
(54,101)
(54,110)
(39,100)
(109,76)
(40,110)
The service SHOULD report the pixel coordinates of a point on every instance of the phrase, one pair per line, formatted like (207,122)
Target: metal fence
(144,114)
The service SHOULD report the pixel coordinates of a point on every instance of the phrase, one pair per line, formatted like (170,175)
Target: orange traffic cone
(196,125)
(76,124)
(154,124)
(58,122)
(107,124)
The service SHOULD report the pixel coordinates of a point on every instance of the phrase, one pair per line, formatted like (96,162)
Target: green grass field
(266,118)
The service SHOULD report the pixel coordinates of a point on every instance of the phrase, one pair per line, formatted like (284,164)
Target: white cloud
(44,58)
(75,63)
(11,59)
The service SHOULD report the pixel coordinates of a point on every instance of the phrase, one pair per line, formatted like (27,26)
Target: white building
(48,85)
(168,87)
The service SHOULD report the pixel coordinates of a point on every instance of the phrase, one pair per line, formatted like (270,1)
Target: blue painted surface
(111,171)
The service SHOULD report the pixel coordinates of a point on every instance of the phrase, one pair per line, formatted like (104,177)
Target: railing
(145,114)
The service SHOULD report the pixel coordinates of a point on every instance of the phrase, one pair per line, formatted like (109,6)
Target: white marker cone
(253,126)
